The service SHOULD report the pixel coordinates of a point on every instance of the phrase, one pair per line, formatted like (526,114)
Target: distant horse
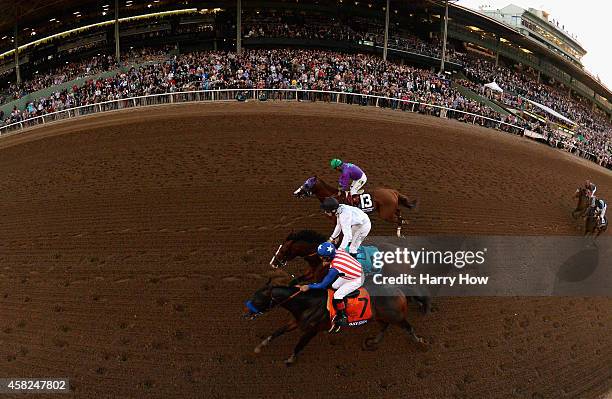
(385,201)
(309,310)
(584,202)
(592,226)
(303,244)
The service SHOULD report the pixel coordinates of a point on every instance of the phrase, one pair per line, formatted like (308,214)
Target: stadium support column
(386,45)
(238,26)
(17,72)
(444,38)
(117,49)
(497,51)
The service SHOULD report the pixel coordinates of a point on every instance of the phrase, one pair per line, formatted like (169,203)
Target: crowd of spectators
(594,132)
(328,71)
(79,69)
(283,69)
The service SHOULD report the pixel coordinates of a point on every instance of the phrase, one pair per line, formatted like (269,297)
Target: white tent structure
(494,86)
(551,111)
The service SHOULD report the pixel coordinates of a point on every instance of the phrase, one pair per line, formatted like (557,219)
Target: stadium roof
(472,17)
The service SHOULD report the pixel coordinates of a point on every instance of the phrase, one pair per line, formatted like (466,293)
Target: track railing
(261,95)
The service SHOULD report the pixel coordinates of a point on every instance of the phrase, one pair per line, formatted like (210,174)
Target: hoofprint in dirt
(129,242)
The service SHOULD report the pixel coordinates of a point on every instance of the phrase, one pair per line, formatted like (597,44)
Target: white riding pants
(344,287)
(356,185)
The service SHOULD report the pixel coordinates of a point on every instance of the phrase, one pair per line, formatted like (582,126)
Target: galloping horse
(592,227)
(310,314)
(303,244)
(584,202)
(385,201)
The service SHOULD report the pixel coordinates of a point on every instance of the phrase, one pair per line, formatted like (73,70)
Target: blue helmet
(326,250)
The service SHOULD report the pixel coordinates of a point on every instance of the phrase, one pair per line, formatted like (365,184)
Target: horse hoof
(257,349)
(290,361)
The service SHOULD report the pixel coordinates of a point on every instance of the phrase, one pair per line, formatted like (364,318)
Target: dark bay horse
(303,244)
(592,227)
(385,201)
(584,202)
(310,314)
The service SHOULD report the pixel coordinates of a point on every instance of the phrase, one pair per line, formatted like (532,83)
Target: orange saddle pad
(358,309)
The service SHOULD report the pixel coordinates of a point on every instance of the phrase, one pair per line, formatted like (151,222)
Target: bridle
(283,263)
(303,191)
(271,304)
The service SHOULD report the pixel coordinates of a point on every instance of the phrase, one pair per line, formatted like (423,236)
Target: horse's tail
(403,200)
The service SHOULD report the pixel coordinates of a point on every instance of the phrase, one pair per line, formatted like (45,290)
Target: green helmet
(335,163)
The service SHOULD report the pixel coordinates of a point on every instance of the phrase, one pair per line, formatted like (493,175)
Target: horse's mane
(308,236)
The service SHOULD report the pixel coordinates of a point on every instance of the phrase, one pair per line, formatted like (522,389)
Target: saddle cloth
(358,307)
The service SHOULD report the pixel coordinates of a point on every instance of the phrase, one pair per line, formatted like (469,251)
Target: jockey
(600,207)
(351,221)
(591,189)
(345,276)
(352,179)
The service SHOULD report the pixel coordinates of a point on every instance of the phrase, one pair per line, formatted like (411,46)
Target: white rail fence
(261,94)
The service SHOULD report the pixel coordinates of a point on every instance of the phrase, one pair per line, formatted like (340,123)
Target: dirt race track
(131,240)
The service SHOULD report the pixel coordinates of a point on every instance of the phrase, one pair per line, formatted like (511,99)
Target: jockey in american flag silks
(352,179)
(345,276)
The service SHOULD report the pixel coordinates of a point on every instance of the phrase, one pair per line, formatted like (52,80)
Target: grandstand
(512,66)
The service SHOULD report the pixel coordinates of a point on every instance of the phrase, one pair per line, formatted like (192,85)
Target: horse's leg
(304,340)
(415,338)
(392,216)
(423,302)
(370,344)
(290,326)
(400,221)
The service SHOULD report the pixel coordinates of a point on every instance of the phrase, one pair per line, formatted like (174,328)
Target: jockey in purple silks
(352,179)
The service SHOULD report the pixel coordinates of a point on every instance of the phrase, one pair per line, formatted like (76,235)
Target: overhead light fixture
(52,19)
(104,23)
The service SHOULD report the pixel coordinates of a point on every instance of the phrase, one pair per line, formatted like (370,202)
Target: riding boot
(341,318)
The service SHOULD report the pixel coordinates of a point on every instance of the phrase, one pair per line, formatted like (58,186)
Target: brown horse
(310,314)
(385,201)
(584,202)
(303,244)
(592,226)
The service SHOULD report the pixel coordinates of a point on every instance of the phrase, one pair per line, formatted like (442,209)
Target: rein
(273,303)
